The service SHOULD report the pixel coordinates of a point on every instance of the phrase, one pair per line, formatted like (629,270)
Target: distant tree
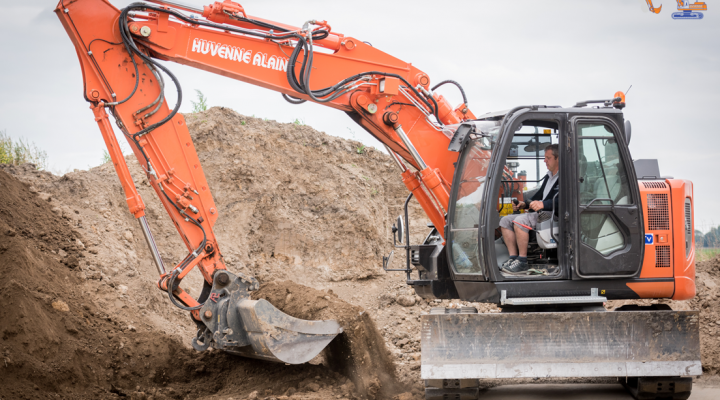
(712,238)
(699,238)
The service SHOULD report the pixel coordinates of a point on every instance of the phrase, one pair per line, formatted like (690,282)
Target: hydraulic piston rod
(151,244)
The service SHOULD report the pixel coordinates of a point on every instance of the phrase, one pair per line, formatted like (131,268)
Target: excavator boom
(390,98)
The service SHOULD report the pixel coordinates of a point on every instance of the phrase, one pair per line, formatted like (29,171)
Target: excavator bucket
(232,322)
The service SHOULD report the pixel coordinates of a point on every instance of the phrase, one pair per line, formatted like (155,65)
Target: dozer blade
(255,328)
(560,344)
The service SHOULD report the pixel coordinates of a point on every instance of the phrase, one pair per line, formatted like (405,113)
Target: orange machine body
(669,240)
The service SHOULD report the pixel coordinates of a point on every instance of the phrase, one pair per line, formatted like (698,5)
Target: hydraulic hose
(462,91)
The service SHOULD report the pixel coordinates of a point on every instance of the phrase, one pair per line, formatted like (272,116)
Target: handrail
(597,199)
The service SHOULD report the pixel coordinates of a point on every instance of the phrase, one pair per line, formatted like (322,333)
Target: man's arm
(536,201)
(548,203)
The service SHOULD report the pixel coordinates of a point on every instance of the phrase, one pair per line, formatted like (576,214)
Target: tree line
(710,239)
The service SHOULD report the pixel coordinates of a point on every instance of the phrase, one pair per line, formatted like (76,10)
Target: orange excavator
(617,230)
(688,10)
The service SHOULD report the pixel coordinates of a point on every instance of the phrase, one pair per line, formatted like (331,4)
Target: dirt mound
(295,204)
(317,212)
(55,342)
(289,195)
(81,316)
(707,300)
(53,338)
(359,352)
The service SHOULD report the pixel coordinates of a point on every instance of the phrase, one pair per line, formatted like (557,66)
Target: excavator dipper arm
(118,52)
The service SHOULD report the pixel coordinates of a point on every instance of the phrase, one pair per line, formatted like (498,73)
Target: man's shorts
(522,221)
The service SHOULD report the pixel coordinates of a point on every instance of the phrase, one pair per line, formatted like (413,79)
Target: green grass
(105,157)
(706,253)
(201,103)
(21,151)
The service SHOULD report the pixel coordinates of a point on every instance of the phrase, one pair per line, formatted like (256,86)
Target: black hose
(132,48)
(293,100)
(170,284)
(454,83)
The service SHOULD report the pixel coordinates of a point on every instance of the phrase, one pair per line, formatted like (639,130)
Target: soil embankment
(306,213)
(81,315)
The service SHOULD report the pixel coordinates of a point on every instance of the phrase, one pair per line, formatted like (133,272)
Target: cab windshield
(473,169)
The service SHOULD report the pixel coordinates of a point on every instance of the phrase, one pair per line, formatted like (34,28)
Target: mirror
(400,229)
(628,132)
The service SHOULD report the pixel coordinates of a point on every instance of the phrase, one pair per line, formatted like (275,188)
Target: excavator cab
(592,238)
(552,320)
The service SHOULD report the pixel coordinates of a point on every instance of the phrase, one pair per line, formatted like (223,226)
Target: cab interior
(522,176)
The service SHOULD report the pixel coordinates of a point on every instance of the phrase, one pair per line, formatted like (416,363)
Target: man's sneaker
(516,266)
(507,263)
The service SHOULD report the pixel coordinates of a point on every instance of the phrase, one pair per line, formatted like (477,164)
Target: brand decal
(649,238)
(239,54)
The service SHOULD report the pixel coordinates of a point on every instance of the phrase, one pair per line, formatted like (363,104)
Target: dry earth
(81,316)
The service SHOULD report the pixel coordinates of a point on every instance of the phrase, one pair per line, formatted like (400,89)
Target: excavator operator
(516,227)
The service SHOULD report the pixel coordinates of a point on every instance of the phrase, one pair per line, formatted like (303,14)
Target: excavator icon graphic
(652,8)
(689,11)
(686,9)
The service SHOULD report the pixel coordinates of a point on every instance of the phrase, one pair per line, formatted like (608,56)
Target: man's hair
(555,150)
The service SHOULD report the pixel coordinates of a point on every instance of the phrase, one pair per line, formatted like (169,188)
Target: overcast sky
(503,53)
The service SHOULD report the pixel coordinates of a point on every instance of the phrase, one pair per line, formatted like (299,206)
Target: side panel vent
(654,185)
(658,215)
(688,226)
(662,256)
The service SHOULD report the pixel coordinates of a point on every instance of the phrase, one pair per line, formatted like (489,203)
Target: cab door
(608,221)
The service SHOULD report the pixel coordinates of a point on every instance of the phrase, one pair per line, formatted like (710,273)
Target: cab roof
(498,115)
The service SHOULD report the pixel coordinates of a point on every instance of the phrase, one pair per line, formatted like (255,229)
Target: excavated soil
(358,353)
(707,301)
(81,315)
(306,213)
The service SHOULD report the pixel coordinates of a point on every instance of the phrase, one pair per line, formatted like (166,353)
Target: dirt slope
(707,301)
(359,352)
(322,219)
(56,343)
(80,315)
